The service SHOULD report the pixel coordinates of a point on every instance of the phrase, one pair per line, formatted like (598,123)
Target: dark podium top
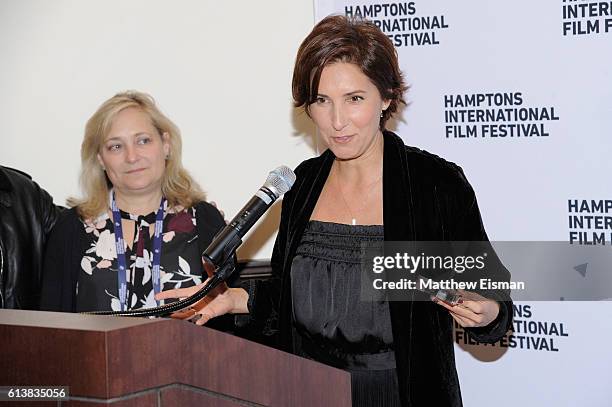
(159,362)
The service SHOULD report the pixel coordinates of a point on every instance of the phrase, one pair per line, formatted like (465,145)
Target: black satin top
(335,325)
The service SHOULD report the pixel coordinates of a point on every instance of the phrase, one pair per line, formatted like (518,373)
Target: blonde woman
(142,224)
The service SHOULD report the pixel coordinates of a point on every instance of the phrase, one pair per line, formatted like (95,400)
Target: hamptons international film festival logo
(590,221)
(584,17)
(401,22)
(528,333)
(495,115)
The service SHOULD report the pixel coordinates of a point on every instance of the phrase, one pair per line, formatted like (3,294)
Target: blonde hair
(177,185)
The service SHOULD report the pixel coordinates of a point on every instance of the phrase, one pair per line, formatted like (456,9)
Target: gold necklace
(368,189)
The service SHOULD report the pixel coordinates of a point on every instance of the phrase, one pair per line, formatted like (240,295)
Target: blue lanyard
(120,245)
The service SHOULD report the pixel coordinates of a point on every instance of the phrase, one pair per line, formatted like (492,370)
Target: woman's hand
(474,310)
(221,300)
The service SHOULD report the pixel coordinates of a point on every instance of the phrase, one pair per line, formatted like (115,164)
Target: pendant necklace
(368,189)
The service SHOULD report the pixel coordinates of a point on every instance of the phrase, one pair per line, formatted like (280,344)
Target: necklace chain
(368,189)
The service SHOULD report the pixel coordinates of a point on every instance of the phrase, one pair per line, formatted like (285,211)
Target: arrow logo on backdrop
(582,268)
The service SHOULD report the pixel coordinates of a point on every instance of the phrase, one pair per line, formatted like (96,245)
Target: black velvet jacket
(425,198)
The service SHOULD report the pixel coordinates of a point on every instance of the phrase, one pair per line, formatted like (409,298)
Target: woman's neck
(365,168)
(138,204)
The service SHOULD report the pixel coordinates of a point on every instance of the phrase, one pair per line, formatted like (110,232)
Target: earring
(382,112)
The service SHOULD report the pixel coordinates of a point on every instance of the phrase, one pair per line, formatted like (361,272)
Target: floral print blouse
(181,267)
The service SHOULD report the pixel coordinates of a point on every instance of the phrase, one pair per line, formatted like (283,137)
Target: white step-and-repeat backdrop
(520,95)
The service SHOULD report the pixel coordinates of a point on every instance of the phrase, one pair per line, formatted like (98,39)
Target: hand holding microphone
(223,299)
(219,301)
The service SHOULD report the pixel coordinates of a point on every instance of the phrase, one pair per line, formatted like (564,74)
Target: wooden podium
(157,362)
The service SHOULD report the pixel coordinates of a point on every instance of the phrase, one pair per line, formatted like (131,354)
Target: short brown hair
(352,40)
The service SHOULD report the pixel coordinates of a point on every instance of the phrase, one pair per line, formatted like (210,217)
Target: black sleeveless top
(335,324)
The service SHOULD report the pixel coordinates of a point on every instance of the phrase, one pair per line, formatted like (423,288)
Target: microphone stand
(223,273)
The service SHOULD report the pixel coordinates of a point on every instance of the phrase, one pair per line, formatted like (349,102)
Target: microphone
(229,238)
(221,249)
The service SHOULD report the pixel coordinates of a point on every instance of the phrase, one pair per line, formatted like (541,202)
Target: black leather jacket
(27,214)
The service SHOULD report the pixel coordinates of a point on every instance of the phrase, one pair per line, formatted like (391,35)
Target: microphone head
(280,180)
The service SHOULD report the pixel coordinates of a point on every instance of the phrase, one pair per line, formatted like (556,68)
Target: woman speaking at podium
(366,187)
